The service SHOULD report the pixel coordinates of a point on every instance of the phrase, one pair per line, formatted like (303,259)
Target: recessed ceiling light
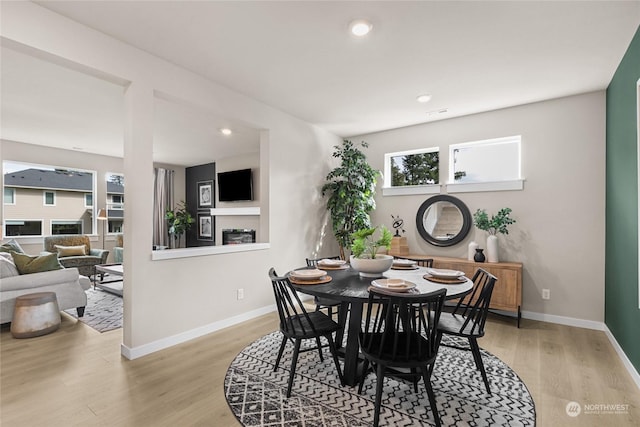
(225,131)
(424,98)
(360,27)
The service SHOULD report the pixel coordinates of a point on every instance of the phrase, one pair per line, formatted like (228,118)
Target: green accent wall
(622,314)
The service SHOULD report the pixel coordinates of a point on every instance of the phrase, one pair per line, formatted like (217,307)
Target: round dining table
(348,287)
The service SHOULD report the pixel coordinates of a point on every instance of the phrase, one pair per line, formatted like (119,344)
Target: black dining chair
(400,339)
(468,318)
(297,324)
(320,302)
(428,262)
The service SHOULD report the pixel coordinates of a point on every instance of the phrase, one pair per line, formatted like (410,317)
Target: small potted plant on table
(364,252)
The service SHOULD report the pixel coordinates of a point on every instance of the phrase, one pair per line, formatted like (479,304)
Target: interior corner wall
(559,232)
(622,315)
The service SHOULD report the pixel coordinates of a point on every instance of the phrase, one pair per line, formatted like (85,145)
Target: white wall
(168,300)
(559,234)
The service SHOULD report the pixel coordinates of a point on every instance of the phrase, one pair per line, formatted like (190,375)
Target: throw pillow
(27,264)
(11,246)
(64,251)
(7,267)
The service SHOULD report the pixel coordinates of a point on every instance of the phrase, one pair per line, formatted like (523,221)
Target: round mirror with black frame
(443,220)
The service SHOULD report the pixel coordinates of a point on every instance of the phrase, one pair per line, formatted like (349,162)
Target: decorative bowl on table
(371,267)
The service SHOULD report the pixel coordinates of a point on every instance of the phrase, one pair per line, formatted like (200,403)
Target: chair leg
(438,340)
(334,354)
(475,349)
(284,343)
(365,368)
(432,397)
(378,401)
(294,362)
(319,348)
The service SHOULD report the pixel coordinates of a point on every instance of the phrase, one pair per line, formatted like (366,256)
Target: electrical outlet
(240,294)
(546,294)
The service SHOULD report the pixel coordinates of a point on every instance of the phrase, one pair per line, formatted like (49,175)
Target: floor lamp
(102,216)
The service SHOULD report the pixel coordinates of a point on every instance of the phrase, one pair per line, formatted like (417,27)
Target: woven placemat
(324,279)
(453,281)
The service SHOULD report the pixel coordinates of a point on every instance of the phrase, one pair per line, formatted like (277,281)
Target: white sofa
(67,283)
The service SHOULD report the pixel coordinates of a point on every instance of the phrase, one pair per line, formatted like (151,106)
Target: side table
(35,315)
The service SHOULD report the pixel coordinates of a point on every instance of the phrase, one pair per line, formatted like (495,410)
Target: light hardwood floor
(76,376)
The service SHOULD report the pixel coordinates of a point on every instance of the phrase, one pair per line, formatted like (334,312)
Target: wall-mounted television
(235,185)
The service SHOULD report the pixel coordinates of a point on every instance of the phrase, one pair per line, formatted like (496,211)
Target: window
(14,227)
(412,172)
(49,198)
(494,161)
(115,202)
(9,196)
(57,196)
(66,227)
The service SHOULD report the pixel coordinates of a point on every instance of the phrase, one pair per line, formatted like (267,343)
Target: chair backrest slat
(401,327)
(293,315)
(475,306)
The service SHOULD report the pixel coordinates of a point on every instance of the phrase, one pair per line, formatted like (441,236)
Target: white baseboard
(562,320)
(152,347)
(588,324)
(625,360)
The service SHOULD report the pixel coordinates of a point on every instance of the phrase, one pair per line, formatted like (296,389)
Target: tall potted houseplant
(350,188)
(496,224)
(179,221)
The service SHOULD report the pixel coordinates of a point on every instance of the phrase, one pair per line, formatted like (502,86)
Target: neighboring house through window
(47,200)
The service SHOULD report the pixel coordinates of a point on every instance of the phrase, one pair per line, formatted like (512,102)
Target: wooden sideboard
(507,293)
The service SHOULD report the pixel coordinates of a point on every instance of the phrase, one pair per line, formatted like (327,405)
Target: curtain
(163,200)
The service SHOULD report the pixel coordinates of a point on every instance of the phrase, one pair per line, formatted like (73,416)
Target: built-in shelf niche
(235,211)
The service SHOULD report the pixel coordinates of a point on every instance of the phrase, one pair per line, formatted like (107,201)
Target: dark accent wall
(622,315)
(194,175)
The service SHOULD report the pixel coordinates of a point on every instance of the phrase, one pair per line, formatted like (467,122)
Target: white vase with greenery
(365,258)
(496,224)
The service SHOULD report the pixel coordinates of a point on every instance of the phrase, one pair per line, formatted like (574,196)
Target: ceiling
(470,57)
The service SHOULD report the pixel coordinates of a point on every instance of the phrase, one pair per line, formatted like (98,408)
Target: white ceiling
(470,56)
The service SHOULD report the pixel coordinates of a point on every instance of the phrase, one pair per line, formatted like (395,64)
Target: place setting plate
(312,276)
(333,264)
(394,285)
(449,277)
(404,264)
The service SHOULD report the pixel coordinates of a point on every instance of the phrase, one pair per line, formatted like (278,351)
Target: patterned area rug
(103,312)
(257,395)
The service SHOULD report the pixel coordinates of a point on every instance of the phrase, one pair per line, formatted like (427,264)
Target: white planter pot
(368,267)
(492,248)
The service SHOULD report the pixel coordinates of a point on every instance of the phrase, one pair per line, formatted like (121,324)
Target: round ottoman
(35,314)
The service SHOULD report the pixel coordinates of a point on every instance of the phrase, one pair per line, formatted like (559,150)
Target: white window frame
(44,197)
(85,200)
(13,190)
(7,221)
(504,185)
(389,190)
